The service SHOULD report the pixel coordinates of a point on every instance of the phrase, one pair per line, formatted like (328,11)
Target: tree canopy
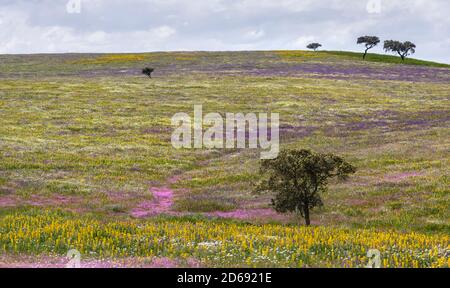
(148,71)
(299,177)
(369,41)
(314,46)
(403,49)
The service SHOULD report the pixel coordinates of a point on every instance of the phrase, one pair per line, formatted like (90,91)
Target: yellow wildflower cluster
(216,243)
(298,55)
(112,58)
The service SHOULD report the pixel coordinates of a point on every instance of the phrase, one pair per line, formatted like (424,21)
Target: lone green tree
(299,177)
(148,71)
(369,41)
(403,49)
(314,46)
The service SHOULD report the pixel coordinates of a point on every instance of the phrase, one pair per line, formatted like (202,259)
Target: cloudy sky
(35,26)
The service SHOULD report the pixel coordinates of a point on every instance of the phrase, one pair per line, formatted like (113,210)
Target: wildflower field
(86,160)
(219,244)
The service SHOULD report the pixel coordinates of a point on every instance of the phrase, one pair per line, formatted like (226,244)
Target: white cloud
(163,31)
(301,42)
(254,34)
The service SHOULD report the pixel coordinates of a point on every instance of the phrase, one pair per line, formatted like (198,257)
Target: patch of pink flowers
(36,200)
(402,176)
(161,203)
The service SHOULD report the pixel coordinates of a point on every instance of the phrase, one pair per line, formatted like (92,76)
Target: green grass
(391,59)
(202,204)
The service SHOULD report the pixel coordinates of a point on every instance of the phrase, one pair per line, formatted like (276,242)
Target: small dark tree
(314,46)
(369,41)
(148,71)
(298,177)
(403,49)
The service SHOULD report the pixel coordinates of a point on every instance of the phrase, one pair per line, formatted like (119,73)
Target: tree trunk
(365,54)
(307,219)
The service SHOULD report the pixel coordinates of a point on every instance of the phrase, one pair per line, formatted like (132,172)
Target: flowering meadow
(219,244)
(86,160)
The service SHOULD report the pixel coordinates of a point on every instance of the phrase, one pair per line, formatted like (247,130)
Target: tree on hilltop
(314,46)
(403,49)
(369,41)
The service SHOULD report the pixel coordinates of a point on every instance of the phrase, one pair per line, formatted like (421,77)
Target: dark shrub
(148,71)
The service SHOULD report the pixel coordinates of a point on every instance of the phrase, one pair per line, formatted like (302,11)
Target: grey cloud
(150,25)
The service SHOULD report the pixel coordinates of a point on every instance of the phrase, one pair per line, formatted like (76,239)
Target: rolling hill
(87,163)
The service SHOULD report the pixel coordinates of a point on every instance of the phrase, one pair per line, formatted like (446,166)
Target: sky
(62,26)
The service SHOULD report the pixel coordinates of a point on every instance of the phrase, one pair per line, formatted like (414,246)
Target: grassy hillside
(383,58)
(89,136)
